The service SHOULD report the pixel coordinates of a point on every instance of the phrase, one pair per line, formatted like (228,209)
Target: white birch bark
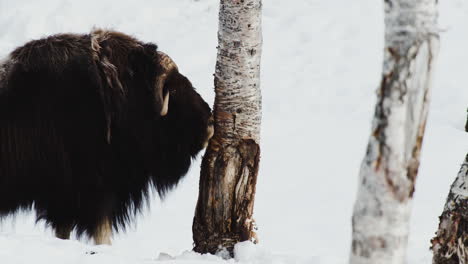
(238,98)
(388,171)
(450,245)
(229,171)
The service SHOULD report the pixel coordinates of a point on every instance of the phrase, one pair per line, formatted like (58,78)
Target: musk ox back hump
(52,53)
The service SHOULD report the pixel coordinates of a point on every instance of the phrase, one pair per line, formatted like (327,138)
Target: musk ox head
(185,106)
(186,125)
(127,63)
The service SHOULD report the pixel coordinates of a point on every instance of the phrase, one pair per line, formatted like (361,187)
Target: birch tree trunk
(388,171)
(229,169)
(450,245)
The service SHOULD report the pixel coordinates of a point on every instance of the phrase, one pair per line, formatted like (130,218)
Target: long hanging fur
(81,137)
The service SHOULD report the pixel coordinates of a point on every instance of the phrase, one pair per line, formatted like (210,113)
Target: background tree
(229,170)
(388,171)
(450,245)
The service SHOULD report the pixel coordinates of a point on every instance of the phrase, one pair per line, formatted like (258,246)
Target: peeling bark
(388,172)
(225,206)
(229,170)
(450,245)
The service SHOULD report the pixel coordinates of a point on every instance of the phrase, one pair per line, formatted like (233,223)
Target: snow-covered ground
(321,65)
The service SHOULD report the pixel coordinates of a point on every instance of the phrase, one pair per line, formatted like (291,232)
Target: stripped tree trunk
(388,171)
(229,170)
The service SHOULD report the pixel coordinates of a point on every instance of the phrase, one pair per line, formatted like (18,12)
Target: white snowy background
(321,66)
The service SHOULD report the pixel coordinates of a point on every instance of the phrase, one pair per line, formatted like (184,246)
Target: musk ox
(88,123)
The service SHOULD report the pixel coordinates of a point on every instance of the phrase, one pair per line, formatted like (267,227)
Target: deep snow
(320,68)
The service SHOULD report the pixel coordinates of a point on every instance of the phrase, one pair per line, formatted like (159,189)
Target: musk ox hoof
(209,131)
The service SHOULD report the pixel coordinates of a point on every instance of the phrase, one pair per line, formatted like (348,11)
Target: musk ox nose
(209,131)
(211,120)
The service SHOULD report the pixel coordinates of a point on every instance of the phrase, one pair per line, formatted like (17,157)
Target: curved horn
(166,62)
(165,106)
(167,66)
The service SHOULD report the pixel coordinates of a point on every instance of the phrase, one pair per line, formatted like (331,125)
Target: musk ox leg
(63,232)
(103,234)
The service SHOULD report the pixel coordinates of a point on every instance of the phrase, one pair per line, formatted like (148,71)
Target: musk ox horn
(167,65)
(165,107)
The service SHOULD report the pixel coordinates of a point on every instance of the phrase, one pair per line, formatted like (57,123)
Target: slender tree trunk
(229,170)
(388,171)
